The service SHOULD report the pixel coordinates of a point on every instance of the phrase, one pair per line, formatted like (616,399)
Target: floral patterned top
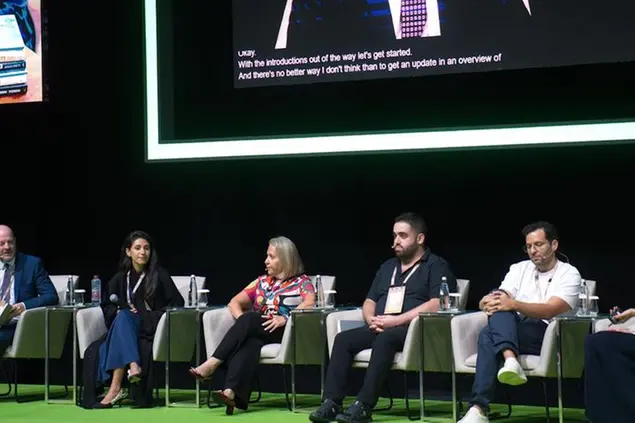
(278,297)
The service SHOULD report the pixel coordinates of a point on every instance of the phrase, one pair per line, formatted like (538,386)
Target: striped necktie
(413,18)
(5,289)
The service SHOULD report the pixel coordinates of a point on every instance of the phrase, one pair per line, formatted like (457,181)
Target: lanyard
(134,290)
(537,277)
(394,273)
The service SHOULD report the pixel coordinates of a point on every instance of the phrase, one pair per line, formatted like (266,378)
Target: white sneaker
(474,416)
(512,373)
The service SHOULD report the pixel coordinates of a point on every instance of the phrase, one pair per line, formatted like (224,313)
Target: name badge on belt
(394,301)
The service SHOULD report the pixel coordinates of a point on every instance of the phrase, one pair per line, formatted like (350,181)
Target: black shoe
(358,412)
(121,395)
(100,406)
(326,413)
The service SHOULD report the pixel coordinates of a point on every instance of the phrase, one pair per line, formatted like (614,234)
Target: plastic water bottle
(69,291)
(193,293)
(583,310)
(444,295)
(319,289)
(95,291)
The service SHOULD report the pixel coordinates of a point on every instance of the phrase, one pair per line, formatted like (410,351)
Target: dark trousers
(121,346)
(240,351)
(7,332)
(609,370)
(3,347)
(351,342)
(504,330)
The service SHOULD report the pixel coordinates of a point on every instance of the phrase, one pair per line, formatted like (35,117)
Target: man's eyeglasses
(537,245)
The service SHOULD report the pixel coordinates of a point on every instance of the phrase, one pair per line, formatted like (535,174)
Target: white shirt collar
(11,262)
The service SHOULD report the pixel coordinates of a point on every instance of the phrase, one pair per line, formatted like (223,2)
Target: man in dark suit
(24,284)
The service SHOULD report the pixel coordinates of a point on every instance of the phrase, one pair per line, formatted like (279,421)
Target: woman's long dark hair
(125,262)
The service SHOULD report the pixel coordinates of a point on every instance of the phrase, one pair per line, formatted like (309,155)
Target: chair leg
(390,400)
(286,388)
(30,398)
(410,415)
(210,404)
(6,376)
(156,381)
(497,415)
(544,388)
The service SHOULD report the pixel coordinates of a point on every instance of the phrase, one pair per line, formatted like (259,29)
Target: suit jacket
(32,286)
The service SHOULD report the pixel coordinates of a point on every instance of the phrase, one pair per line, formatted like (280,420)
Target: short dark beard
(407,256)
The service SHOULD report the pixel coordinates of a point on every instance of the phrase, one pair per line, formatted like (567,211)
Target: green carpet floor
(270,409)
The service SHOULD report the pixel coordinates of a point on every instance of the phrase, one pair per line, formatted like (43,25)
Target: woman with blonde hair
(261,311)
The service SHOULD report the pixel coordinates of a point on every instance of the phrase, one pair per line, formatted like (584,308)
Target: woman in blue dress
(136,298)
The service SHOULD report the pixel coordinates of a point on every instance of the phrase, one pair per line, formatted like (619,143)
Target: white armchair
(28,341)
(463,286)
(405,361)
(183,328)
(91,326)
(466,329)
(216,324)
(408,359)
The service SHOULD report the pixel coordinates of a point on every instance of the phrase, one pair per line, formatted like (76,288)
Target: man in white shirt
(533,292)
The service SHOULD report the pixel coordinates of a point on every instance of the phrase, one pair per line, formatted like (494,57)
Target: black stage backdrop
(75,183)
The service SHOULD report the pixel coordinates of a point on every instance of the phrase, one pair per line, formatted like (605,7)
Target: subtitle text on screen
(252,67)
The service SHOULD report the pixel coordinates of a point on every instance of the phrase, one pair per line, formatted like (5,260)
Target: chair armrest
(91,326)
(182,337)
(216,323)
(285,343)
(573,334)
(28,341)
(333,319)
(465,330)
(412,346)
(547,366)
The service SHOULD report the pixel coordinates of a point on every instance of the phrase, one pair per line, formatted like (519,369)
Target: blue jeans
(504,330)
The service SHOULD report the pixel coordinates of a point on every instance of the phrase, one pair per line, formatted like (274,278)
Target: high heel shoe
(121,395)
(134,377)
(221,399)
(197,375)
